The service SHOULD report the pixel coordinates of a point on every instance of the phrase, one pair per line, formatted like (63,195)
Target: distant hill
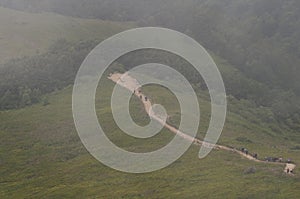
(41,155)
(24,33)
(259,37)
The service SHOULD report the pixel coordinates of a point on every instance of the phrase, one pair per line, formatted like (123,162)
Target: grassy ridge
(42,157)
(25,33)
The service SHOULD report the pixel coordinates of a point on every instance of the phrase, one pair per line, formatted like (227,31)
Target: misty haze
(150,99)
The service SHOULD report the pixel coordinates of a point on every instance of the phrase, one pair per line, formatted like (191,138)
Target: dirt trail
(133,85)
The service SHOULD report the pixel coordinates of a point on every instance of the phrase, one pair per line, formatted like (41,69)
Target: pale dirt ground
(133,85)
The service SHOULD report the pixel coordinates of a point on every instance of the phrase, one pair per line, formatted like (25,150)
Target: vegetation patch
(243,140)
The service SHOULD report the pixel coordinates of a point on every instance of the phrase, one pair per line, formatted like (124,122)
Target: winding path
(132,84)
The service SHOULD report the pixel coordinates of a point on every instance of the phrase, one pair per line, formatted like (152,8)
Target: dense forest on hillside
(24,81)
(260,38)
(46,153)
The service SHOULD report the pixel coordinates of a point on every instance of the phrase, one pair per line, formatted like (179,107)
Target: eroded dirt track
(132,85)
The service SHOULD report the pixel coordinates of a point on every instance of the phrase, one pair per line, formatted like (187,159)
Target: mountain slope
(25,33)
(43,157)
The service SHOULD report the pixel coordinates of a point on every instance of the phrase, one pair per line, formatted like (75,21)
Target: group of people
(254,155)
(269,159)
(141,96)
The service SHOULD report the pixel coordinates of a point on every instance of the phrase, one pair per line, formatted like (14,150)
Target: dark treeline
(284,105)
(259,37)
(24,81)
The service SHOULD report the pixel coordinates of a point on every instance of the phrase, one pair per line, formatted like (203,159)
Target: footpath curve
(132,85)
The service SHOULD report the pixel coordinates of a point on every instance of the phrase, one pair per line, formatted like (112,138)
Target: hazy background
(255,43)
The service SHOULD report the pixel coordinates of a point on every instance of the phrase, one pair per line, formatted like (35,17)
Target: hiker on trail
(146,99)
(245,151)
(288,170)
(255,155)
(289,161)
(269,159)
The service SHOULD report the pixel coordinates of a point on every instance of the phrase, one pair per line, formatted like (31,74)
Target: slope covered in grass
(42,156)
(23,33)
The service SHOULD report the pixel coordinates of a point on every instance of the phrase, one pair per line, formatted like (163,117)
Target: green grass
(25,34)
(41,156)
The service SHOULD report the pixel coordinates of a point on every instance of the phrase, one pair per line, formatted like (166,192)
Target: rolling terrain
(41,155)
(27,34)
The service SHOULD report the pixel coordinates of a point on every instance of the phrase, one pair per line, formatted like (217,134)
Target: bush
(250,170)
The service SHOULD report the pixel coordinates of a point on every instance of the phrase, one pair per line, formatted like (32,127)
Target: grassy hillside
(260,37)
(24,33)
(41,156)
